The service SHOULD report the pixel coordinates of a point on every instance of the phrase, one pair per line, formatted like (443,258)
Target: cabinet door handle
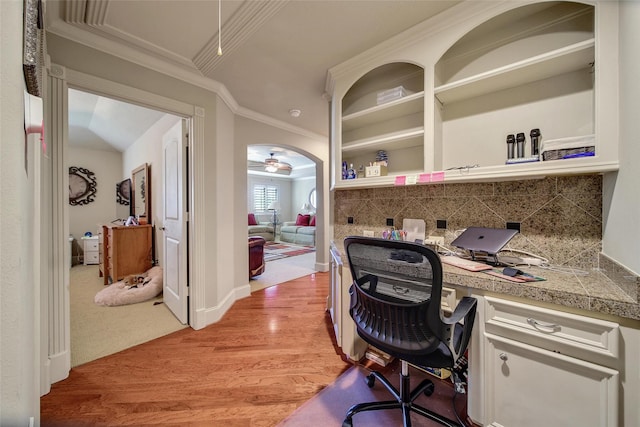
(533,322)
(503,356)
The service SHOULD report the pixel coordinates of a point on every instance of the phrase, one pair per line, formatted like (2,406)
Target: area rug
(279,250)
(329,407)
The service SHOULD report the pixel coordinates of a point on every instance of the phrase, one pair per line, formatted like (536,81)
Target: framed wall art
(82,186)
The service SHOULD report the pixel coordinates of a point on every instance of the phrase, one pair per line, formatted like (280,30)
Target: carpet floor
(98,331)
(329,407)
(278,250)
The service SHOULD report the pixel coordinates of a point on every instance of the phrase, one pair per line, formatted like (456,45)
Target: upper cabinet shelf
(404,106)
(559,61)
(505,70)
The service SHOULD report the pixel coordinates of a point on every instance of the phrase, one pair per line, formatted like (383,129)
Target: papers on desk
(519,278)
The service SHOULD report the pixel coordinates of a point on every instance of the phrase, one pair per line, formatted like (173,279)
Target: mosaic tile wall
(560,218)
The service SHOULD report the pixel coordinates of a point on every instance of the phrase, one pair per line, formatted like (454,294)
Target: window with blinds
(263,195)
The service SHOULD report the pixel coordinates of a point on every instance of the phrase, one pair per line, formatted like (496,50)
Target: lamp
(306,208)
(271,168)
(275,207)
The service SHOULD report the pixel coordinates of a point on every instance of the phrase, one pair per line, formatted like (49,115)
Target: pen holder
(390,234)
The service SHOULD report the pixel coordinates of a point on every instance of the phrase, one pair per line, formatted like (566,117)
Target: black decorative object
(33,46)
(82,186)
(123,192)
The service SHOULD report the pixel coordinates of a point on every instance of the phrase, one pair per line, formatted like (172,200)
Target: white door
(175,288)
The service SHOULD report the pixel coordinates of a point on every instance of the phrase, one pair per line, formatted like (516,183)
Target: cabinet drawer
(91,258)
(567,333)
(91,245)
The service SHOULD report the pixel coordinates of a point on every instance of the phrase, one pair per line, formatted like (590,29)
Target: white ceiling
(92,118)
(275,53)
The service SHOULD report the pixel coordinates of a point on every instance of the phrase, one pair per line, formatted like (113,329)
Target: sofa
(260,228)
(256,256)
(302,231)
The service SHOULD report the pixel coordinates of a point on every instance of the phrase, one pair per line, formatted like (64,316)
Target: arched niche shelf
(383,119)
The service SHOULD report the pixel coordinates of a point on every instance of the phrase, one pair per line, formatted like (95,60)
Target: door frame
(57,354)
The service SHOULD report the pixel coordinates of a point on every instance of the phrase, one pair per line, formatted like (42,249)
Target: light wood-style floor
(268,355)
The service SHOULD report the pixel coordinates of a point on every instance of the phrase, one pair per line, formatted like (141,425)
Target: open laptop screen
(481,239)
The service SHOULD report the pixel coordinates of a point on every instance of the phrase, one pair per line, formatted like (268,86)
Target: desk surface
(610,291)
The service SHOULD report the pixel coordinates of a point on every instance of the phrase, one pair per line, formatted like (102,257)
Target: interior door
(175,285)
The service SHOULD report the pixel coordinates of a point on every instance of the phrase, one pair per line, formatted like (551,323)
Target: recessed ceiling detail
(246,20)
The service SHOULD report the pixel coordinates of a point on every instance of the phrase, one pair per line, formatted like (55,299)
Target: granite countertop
(600,291)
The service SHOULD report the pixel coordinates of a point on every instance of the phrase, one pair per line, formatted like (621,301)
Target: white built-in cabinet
(481,71)
(546,367)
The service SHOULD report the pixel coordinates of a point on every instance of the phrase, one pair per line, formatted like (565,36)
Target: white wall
(107,167)
(19,295)
(621,196)
(148,149)
(284,195)
(300,194)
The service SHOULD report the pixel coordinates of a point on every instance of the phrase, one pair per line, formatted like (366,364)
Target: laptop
(485,240)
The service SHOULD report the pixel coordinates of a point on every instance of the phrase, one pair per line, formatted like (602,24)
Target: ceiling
(275,54)
(91,119)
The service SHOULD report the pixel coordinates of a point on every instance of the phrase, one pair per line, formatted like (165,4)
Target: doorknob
(162,228)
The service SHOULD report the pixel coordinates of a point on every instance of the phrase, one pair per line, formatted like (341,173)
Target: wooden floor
(269,354)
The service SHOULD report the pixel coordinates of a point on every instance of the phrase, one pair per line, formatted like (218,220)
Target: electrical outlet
(434,240)
(349,220)
(441,224)
(513,226)
(389,222)
(367,233)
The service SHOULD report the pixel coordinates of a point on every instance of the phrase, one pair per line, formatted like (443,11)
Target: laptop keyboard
(466,264)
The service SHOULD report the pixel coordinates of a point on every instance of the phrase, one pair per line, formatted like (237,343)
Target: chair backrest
(396,297)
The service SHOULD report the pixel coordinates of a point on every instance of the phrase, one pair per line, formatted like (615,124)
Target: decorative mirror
(82,186)
(312,199)
(141,194)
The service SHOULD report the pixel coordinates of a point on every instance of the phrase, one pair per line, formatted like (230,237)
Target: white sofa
(263,229)
(298,234)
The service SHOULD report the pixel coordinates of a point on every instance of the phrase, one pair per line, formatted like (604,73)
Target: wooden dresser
(124,251)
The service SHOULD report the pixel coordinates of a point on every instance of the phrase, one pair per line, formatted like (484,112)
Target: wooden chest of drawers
(124,251)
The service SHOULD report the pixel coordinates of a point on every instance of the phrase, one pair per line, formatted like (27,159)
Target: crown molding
(110,47)
(134,56)
(248,19)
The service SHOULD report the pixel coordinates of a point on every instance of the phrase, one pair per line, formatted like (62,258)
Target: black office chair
(394,285)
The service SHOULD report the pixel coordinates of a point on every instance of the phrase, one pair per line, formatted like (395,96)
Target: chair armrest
(465,310)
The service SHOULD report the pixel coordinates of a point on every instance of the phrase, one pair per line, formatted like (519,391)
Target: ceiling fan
(271,165)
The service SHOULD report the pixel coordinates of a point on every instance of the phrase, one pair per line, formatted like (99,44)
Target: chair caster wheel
(428,391)
(371,380)
(347,423)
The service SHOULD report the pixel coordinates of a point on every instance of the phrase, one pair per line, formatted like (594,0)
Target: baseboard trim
(208,316)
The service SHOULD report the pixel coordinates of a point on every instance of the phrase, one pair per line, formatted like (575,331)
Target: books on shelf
(378,356)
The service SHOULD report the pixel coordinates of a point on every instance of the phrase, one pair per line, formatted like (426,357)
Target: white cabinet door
(527,386)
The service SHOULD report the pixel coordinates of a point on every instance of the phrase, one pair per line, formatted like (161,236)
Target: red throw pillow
(252,219)
(312,223)
(303,220)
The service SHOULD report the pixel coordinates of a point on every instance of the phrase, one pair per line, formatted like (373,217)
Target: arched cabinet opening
(529,68)
(383,123)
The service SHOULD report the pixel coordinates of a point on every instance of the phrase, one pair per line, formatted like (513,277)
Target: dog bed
(120,293)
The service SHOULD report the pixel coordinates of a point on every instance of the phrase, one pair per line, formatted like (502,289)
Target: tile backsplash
(560,217)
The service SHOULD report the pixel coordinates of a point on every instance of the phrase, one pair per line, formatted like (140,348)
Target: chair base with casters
(404,399)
